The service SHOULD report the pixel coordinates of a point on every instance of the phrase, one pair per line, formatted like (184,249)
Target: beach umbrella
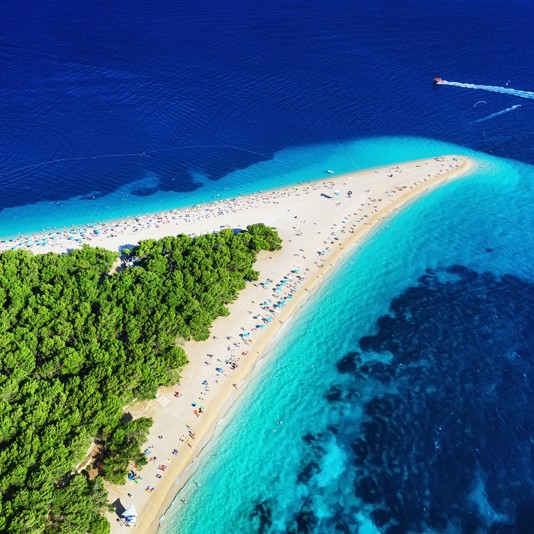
(219,369)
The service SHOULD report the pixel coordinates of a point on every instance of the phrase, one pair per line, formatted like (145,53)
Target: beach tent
(130,514)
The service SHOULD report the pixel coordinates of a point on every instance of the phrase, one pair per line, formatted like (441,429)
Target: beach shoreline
(105,232)
(320,222)
(262,349)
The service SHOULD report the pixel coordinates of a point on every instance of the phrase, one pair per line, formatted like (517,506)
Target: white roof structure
(130,512)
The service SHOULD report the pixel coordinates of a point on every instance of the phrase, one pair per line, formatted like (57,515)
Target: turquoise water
(301,476)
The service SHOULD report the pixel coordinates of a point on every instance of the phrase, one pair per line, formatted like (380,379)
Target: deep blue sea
(406,385)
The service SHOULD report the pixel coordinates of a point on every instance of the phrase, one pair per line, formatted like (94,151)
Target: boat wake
(493,115)
(491,88)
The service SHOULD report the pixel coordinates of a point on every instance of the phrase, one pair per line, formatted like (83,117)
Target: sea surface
(401,398)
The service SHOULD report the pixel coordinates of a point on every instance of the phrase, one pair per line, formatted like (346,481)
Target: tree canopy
(77,344)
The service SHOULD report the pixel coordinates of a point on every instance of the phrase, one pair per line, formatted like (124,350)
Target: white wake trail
(491,88)
(493,115)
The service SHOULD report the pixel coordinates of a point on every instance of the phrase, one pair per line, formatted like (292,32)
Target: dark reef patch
(461,415)
(305,520)
(262,516)
(305,474)
(433,414)
(349,363)
(334,394)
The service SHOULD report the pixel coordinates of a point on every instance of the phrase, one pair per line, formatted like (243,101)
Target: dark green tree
(78,344)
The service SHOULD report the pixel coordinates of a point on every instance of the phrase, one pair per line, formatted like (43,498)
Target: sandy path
(319,222)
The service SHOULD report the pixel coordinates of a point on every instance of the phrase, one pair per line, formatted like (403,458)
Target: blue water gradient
(110,109)
(404,386)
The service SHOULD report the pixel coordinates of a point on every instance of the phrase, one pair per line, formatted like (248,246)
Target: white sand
(311,218)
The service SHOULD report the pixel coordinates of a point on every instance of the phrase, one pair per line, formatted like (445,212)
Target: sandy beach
(319,223)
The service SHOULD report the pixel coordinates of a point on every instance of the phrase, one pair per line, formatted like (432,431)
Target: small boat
(330,171)
(437,81)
